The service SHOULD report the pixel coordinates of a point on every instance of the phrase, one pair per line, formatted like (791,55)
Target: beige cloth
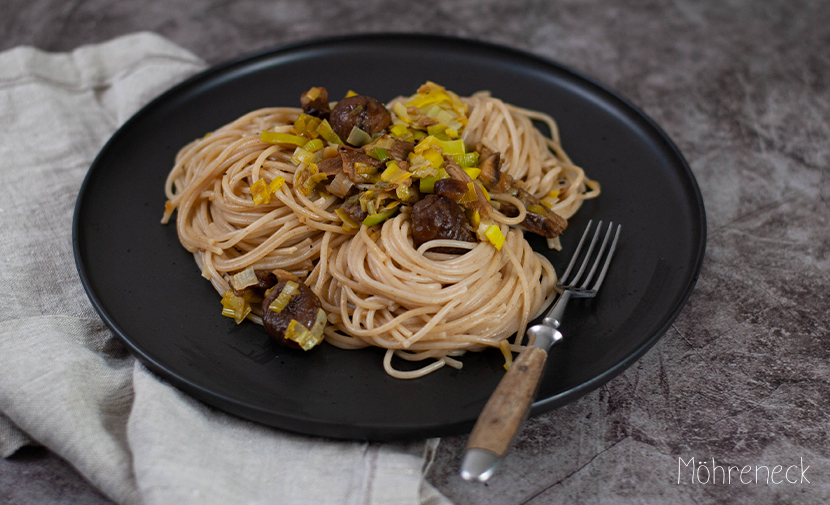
(67,383)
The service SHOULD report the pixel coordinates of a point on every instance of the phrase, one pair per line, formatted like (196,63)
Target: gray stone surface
(742,88)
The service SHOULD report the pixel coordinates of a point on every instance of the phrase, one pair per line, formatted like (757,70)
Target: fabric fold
(66,382)
(11,437)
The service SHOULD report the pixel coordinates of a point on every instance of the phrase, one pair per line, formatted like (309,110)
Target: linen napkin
(67,383)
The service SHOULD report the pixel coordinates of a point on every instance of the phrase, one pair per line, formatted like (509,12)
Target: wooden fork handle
(509,404)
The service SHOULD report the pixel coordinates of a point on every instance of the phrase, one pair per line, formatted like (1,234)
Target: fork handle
(509,404)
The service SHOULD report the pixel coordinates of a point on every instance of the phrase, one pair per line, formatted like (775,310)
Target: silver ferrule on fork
(545,335)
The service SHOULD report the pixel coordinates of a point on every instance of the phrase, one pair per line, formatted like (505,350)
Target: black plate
(149,291)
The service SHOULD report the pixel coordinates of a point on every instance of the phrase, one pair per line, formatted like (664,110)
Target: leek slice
(379,217)
(451,147)
(319,324)
(364,169)
(550,199)
(466,160)
(504,346)
(440,131)
(260,193)
(276,184)
(432,112)
(403,193)
(244,279)
(385,142)
(289,291)
(401,131)
(302,335)
(325,131)
(445,117)
(436,129)
(234,306)
(483,190)
(348,223)
(470,195)
(358,137)
(448,147)
(308,185)
(302,156)
(307,125)
(394,174)
(495,236)
(282,138)
(400,110)
(433,157)
(472,172)
(427,184)
(314,145)
(537,209)
(380,154)
(341,185)
(474,217)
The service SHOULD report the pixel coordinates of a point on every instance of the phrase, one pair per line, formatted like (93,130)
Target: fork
(509,404)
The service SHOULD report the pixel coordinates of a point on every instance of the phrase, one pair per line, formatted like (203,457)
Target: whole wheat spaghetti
(242,202)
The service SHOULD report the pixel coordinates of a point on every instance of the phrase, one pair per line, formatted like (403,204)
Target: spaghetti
(242,202)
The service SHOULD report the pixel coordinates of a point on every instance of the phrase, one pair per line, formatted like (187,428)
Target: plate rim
(381,430)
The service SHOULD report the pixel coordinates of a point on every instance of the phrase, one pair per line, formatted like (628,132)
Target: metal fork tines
(510,402)
(569,284)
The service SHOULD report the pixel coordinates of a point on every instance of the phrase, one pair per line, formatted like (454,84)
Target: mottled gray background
(742,88)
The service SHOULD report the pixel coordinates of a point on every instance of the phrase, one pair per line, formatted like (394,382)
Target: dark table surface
(743,88)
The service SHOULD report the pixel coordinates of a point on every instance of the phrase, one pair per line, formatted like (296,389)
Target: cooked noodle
(377,289)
